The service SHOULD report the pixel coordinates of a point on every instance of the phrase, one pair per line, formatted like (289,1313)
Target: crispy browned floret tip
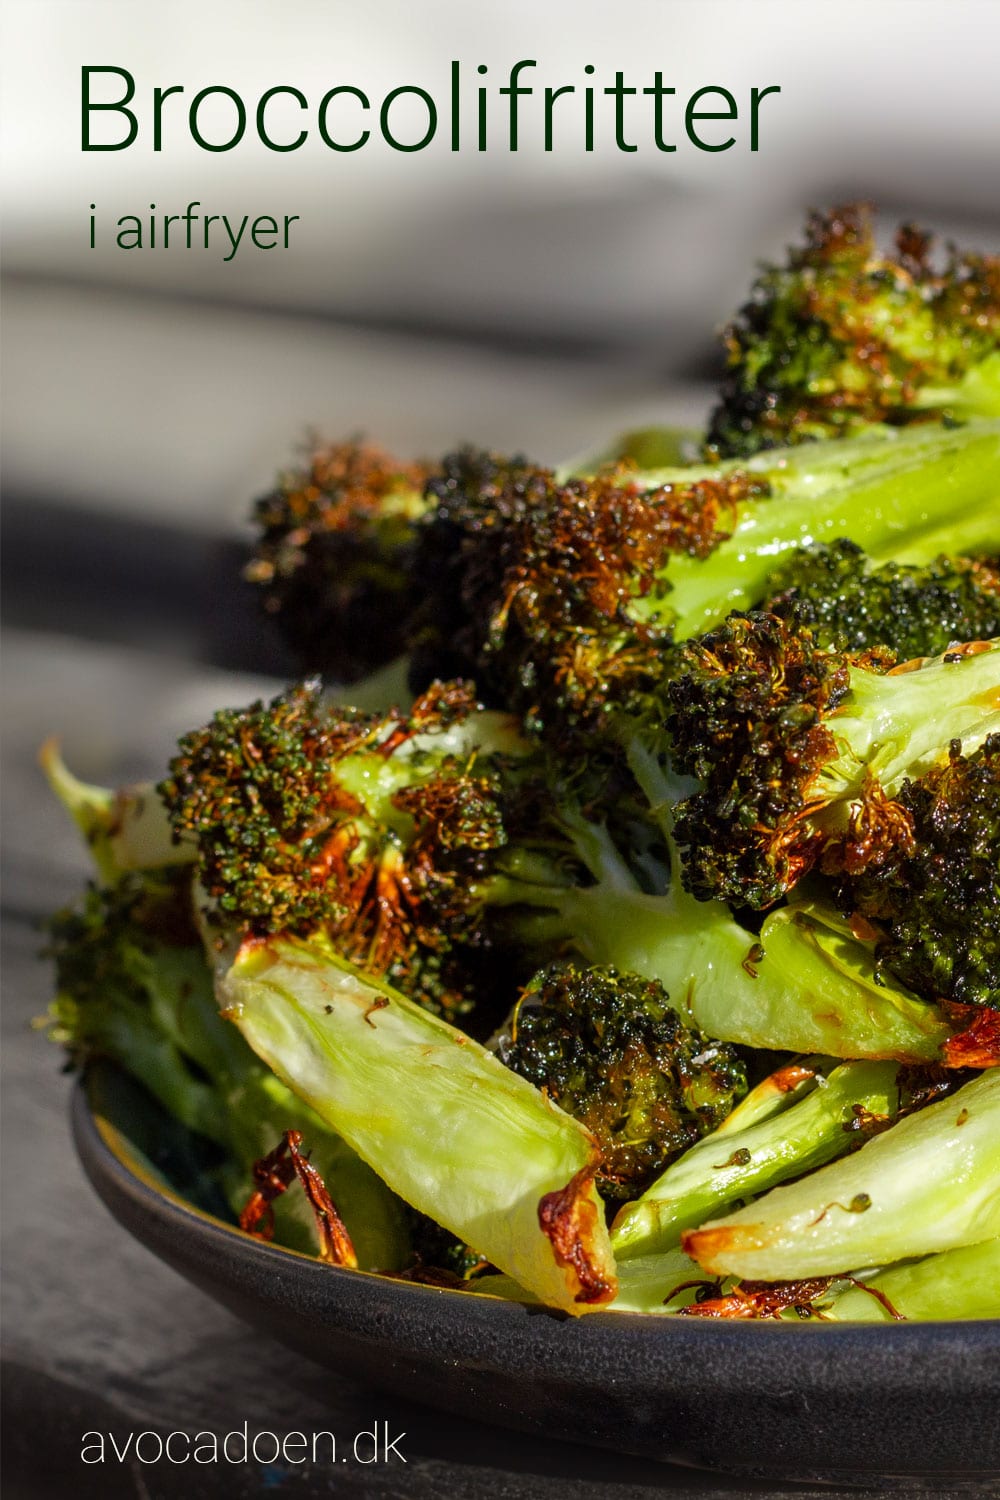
(568,1217)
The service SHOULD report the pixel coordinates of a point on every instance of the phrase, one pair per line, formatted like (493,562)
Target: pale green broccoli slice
(930,1183)
(730,1166)
(443,1122)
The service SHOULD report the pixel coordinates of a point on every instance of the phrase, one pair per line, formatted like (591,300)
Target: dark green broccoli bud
(611,1051)
(333,561)
(849,605)
(363,828)
(842,338)
(785,738)
(932,896)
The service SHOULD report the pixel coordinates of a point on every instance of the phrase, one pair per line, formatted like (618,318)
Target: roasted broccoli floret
(133,985)
(849,605)
(364,829)
(561,596)
(932,894)
(611,1051)
(408,845)
(786,739)
(802,983)
(843,337)
(333,561)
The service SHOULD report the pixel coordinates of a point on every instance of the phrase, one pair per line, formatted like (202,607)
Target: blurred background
(537,301)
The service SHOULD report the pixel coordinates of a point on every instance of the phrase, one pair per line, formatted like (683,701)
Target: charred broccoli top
(555,593)
(562,596)
(334,556)
(610,1050)
(365,828)
(843,337)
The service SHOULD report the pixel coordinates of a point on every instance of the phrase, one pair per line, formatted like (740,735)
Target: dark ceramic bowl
(821,1402)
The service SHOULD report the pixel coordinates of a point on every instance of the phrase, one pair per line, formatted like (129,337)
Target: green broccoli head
(849,605)
(932,896)
(333,559)
(366,829)
(608,1048)
(787,739)
(843,337)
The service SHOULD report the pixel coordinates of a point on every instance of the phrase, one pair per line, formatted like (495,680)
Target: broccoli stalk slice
(437,1116)
(931,1183)
(907,499)
(801,986)
(962,1283)
(647,1284)
(735,1164)
(775,1093)
(977,394)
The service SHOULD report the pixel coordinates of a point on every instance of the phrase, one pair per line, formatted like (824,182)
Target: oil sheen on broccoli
(852,606)
(561,596)
(610,1050)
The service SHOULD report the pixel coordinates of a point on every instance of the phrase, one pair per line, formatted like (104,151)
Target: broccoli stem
(895,725)
(931,1183)
(775,1093)
(648,1284)
(977,394)
(802,986)
(728,1166)
(962,1283)
(908,497)
(203,1073)
(446,1125)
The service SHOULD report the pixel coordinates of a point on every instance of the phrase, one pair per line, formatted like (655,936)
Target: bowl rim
(107,1153)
